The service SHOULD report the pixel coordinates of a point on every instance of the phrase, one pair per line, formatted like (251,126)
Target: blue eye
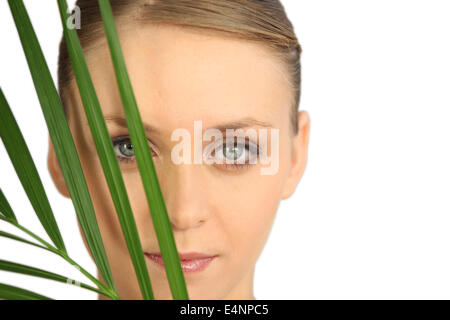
(235,155)
(233,152)
(124,149)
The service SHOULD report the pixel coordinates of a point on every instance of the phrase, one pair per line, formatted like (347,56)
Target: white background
(371,216)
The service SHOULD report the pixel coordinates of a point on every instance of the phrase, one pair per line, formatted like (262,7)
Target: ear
(55,171)
(299,154)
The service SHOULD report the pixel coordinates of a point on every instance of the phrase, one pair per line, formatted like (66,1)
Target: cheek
(98,187)
(101,197)
(250,203)
(139,203)
(248,214)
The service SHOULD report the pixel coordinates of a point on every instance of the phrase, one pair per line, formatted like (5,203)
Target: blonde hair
(263,21)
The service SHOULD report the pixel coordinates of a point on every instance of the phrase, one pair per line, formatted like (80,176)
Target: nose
(185,197)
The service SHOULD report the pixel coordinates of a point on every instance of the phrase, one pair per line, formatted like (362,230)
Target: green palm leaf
(13,293)
(11,236)
(26,171)
(31,271)
(102,289)
(47,246)
(144,159)
(106,153)
(61,138)
(5,208)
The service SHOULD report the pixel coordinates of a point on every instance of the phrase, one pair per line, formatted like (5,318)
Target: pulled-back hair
(264,21)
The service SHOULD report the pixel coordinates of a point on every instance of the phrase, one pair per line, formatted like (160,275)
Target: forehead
(182,74)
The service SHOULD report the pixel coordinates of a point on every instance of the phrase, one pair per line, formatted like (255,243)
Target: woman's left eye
(237,155)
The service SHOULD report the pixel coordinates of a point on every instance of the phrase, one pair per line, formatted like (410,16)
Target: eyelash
(229,166)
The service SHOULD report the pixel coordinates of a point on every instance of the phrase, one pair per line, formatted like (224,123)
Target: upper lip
(187,255)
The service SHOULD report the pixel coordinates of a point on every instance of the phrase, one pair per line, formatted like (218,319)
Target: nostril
(184,221)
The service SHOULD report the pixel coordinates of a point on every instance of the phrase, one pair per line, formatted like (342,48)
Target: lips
(190,262)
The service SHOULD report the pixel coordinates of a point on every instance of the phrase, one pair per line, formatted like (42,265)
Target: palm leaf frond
(106,153)
(31,271)
(8,292)
(144,159)
(26,171)
(62,139)
(5,208)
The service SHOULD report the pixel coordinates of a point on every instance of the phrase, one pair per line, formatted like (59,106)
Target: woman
(224,64)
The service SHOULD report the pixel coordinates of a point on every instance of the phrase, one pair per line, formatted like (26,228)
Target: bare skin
(180,75)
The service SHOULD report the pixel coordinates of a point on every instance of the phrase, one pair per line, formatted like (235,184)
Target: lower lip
(188,266)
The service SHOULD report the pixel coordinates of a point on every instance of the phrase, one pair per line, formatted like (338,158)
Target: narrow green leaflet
(31,271)
(144,159)
(61,137)
(16,238)
(5,208)
(106,153)
(26,171)
(8,292)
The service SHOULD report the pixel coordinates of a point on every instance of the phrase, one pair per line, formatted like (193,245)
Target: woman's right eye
(124,149)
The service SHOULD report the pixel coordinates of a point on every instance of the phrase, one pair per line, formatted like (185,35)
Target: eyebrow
(122,122)
(235,124)
(242,123)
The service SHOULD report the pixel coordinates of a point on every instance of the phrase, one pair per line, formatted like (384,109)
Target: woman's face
(180,76)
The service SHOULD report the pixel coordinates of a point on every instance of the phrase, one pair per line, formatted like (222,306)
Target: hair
(263,21)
